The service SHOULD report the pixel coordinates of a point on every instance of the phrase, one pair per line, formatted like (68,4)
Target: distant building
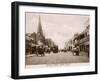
(27,43)
(69,45)
(49,42)
(33,36)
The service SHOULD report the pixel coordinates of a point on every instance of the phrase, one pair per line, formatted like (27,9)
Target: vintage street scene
(56,38)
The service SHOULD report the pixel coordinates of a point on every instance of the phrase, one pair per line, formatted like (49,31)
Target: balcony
(85,39)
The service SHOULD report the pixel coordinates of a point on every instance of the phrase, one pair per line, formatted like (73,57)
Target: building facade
(36,39)
(69,45)
(81,40)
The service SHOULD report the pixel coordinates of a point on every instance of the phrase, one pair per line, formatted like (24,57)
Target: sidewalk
(83,53)
(30,55)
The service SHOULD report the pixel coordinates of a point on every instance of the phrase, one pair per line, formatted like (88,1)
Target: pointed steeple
(40,27)
(40,36)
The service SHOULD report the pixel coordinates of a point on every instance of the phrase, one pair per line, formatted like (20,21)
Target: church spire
(40,36)
(40,27)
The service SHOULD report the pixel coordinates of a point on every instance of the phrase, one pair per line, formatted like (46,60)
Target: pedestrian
(77,51)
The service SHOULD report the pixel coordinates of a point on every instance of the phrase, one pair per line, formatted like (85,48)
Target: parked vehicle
(55,49)
(75,51)
(40,51)
(47,49)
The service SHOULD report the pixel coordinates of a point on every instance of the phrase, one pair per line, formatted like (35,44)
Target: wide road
(56,58)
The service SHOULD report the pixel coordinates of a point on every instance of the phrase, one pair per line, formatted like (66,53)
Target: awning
(85,43)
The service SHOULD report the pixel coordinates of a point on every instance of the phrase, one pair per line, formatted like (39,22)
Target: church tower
(40,36)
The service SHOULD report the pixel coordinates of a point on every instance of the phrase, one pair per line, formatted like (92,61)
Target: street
(56,58)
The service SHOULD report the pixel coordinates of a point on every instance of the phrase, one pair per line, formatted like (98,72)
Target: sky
(59,27)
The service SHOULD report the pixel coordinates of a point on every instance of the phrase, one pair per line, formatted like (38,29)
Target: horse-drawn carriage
(40,50)
(47,49)
(75,51)
(55,49)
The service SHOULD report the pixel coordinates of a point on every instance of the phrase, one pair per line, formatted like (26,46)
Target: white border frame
(59,69)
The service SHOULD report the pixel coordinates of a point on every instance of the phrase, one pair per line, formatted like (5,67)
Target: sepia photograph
(50,40)
(56,38)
